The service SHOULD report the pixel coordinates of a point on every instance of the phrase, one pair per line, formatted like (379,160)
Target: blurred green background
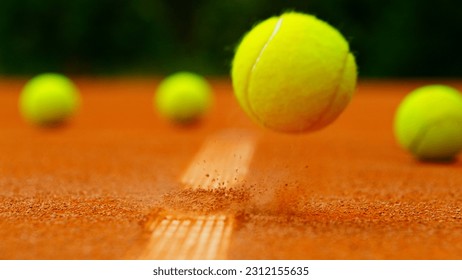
(394,38)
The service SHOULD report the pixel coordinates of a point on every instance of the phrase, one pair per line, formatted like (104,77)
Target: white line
(191,240)
(223,161)
(203,239)
(165,238)
(157,232)
(226,239)
(216,163)
(197,237)
(178,240)
(215,241)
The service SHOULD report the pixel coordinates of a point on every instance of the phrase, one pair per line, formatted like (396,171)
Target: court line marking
(222,162)
(195,237)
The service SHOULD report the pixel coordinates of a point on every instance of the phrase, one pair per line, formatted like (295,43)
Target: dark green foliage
(394,38)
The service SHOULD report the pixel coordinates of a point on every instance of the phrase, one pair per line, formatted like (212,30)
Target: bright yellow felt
(49,99)
(183,97)
(294,73)
(428,123)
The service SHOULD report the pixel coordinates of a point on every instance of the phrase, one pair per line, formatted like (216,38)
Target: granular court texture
(118,182)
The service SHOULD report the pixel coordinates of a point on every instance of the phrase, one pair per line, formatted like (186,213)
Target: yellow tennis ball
(294,73)
(48,99)
(183,97)
(428,123)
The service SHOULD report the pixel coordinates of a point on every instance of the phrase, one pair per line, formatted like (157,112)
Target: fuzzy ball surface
(428,123)
(183,97)
(49,99)
(294,73)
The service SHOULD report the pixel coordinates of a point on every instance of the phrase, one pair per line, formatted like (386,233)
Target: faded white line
(192,238)
(222,162)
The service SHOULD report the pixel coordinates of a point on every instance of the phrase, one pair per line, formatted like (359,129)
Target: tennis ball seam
(420,136)
(277,27)
(335,93)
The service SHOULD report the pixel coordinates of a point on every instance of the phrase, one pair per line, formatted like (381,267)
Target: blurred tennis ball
(428,123)
(294,73)
(48,99)
(183,97)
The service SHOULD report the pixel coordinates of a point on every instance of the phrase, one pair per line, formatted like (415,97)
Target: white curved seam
(254,66)
(275,31)
(335,94)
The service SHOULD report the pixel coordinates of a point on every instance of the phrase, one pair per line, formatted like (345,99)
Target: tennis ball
(48,99)
(428,123)
(293,73)
(183,97)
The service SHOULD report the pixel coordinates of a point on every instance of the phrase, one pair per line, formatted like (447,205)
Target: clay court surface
(119,182)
